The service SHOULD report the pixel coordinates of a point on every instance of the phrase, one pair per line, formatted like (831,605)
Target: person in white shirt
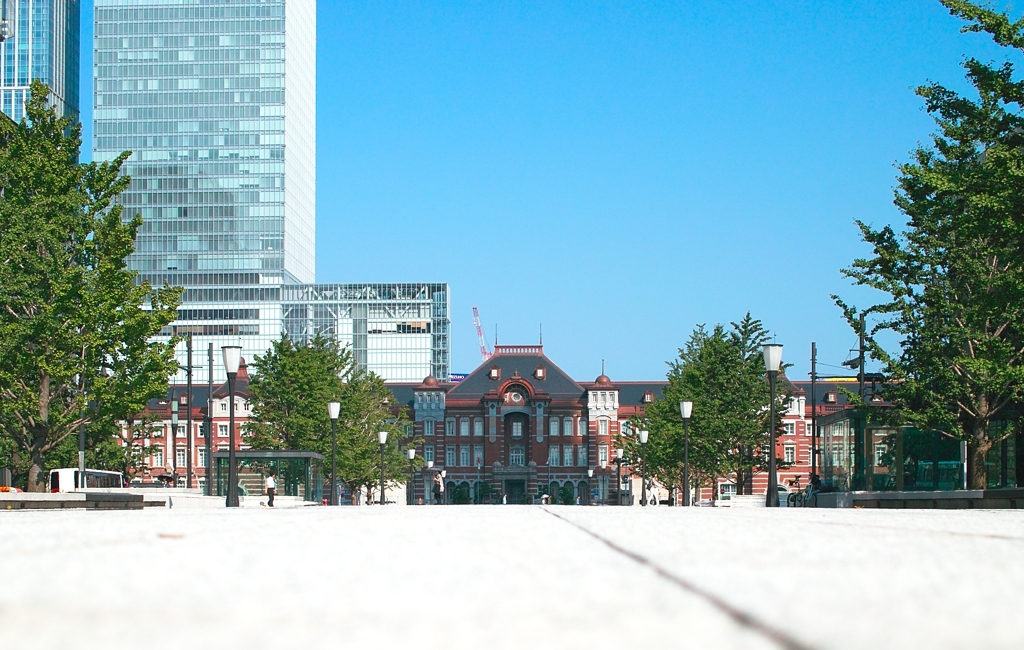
(271,487)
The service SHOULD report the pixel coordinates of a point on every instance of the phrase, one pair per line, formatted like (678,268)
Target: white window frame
(581,456)
(463,426)
(464,454)
(789,452)
(553,455)
(478,455)
(449,455)
(602,426)
(517,429)
(567,427)
(449,427)
(428,452)
(478,426)
(568,455)
(517,453)
(554,427)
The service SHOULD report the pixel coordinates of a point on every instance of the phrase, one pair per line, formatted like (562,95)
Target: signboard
(456,377)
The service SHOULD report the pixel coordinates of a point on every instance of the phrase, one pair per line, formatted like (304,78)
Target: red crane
(485,354)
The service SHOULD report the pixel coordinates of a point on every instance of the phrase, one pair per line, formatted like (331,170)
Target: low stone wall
(949,500)
(88,500)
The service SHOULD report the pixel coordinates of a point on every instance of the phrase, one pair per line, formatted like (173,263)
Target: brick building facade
(519,426)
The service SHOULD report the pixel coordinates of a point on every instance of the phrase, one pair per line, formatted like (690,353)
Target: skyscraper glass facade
(216,100)
(42,44)
(209,95)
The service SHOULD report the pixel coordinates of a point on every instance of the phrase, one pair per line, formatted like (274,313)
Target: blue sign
(456,377)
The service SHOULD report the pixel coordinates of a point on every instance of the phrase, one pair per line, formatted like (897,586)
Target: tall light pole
(618,474)
(232,355)
(188,418)
(208,423)
(174,439)
(772,362)
(685,410)
(604,482)
(590,485)
(411,454)
(383,437)
(444,475)
(643,466)
(334,409)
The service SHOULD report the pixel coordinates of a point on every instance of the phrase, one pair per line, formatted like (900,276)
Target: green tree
(953,277)
(722,372)
(292,385)
(74,325)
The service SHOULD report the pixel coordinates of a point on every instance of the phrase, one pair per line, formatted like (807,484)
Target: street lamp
(383,437)
(643,466)
(232,355)
(411,454)
(174,440)
(619,460)
(686,409)
(444,474)
(590,485)
(334,409)
(476,492)
(772,362)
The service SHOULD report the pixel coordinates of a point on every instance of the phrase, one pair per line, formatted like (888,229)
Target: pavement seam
(740,617)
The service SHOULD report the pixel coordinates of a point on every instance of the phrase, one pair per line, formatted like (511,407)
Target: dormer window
(540,373)
(648,397)
(830,397)
(495,373)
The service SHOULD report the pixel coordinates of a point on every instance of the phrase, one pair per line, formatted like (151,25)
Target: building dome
(603,380)
(430,381)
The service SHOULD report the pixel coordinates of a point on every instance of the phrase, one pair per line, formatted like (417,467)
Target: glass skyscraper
(42,43)
(218,107)
(216,100)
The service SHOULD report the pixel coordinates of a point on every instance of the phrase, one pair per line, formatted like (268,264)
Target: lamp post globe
(232,356)
(772,363)
(382,436)
(644,433)
(686,410)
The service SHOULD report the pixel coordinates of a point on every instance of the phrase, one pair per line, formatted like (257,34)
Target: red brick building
(169,457)
(519,426)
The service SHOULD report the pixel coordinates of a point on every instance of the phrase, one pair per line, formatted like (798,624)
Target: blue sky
(619,171)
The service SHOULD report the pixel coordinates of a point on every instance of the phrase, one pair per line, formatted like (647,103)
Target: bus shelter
(298,473)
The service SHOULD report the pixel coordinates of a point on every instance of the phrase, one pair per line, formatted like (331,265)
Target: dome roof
(430,381)
(603,380)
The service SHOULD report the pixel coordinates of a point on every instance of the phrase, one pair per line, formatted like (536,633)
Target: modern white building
(217,101)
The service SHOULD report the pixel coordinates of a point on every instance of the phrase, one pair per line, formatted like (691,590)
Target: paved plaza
(512,577)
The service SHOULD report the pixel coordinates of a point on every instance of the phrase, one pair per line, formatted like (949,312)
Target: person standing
(271,488)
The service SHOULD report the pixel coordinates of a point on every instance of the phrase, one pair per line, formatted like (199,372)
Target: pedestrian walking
(504,499)
(271,488)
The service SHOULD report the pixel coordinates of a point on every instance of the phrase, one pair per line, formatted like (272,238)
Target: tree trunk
(36,473)
(977,450)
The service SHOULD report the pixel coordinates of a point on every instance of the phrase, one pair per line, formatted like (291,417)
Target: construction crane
(485,354)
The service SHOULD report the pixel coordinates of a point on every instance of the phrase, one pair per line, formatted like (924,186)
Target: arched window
(554,426)
(583,492)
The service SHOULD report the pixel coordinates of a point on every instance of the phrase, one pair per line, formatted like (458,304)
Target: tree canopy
(292,385)
(722,372)
(953,276)
(75,327)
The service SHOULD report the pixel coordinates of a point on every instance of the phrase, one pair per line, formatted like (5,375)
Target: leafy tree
(292,385)
(74,326)
(722,372)
(953,278)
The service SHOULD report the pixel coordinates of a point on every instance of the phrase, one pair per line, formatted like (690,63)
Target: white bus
(66,480)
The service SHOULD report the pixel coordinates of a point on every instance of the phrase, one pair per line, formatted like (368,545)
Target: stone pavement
(512,577)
